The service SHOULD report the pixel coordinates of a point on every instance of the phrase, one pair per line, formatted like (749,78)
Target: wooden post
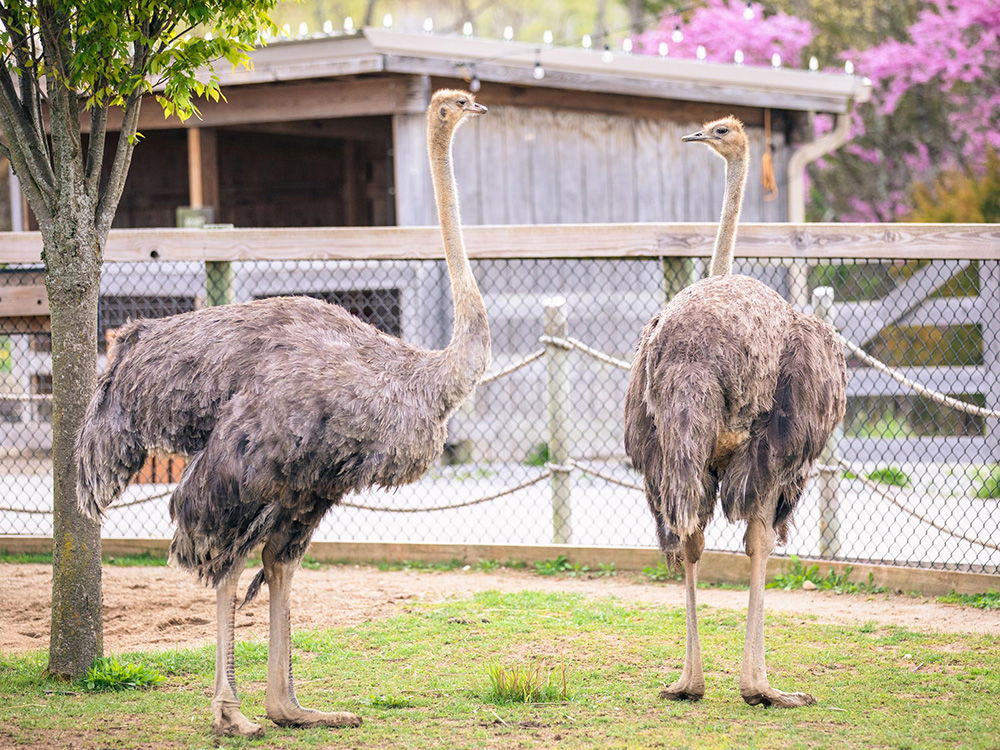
(203,190)
(829,479)
(557,366)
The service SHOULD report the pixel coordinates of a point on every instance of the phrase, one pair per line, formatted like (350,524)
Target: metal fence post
(557,369)
(829,478)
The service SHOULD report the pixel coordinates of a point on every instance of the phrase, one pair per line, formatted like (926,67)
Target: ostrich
(732,394)
(285,405)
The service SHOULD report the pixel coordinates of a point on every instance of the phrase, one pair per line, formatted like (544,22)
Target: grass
(561,565)
(420,681)
(526,683)
(124,561)
(840,583)
(987,600)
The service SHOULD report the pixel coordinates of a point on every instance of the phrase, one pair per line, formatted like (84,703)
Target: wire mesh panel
(537,455)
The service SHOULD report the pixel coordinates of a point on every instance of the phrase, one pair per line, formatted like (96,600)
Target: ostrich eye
(721,131)
(462,102)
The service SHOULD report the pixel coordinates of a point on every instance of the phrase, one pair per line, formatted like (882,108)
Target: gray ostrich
(732,395)
(285,405)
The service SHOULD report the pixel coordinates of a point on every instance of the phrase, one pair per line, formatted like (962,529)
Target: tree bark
(72,253)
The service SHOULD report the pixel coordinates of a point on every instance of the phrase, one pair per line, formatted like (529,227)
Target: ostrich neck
(725,240)
(467,354)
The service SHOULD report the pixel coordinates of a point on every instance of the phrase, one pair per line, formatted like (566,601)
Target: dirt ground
(149,608)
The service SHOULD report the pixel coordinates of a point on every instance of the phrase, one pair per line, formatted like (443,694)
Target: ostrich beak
(699,136)
(475,108)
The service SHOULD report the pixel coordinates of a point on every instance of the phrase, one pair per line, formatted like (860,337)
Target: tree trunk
(72,253)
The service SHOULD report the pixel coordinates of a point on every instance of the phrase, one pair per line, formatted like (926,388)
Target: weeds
(110,674)
(661,573)
(990,487)
(526,683)
(389,701)
(839,583)
(561,565)
(890,475)
(987,600)
(539,455)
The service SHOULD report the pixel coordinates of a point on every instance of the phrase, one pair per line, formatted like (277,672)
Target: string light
(606,56)
(849,68)
(677,36)
(813,64)
(348,24)
(701,52)
(748,11)
(475,84)
(428,25)
(539,72)
(467,29)
(328,27)
(508,33)
(547,37)
(387,20)
(586,42)
(627,46)
(287,29)
(738,57)
(208,35)
(663,49)
(775,60)
(303,29)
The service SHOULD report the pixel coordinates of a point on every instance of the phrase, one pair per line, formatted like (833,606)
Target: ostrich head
(451,107)
(725,137)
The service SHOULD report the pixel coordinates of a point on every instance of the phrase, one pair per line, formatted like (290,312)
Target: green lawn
(877,686)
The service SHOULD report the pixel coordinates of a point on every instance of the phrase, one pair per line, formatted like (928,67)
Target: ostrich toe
(768,696)
(307,717)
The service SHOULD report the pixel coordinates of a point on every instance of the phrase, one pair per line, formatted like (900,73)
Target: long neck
(468,352)
(725,240)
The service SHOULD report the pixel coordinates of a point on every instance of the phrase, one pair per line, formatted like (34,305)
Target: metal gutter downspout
(798,272)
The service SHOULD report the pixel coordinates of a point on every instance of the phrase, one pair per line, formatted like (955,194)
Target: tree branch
(36,174)
(112,192)
(95,148)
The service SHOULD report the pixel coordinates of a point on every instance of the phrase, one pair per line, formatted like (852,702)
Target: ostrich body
(285,405)
(731,397)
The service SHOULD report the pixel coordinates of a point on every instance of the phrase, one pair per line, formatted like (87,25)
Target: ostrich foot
(683,690)
(307,717)
(231,722)
(768,696)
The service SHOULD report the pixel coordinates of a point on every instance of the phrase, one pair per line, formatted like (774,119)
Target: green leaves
(111,674)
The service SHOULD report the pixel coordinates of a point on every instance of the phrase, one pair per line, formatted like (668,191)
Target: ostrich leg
(228,719)
(282,707)
(754,686)
(691,684)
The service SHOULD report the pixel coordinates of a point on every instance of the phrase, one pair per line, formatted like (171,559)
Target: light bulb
(428,24)
(303,29)
(475,84)
(467,28)
(387,20)
(508,33)
(677,36)
(813,64)
(663,49)
(748,12)
(547,36)
(538,72)
(327,27)
(701,52)
(586,42)
(348,24)
(849,68)
(738,57)
(287,29)
(627,46)
(775,60)
(606,56)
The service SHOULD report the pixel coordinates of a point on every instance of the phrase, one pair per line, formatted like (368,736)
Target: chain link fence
(536,456)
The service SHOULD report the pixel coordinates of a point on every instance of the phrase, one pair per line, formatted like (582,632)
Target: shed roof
(375,50)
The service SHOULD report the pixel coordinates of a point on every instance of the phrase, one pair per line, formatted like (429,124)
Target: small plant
(539,455)
(560,564)
(990,487)
(661,572)
(111,674)
(389,701)
(890,475)
(839,583)
(489,566)
(987,600)
(605,570)
(311,563)
(527,683)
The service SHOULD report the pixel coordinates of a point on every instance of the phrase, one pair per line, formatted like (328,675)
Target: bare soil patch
(149,608)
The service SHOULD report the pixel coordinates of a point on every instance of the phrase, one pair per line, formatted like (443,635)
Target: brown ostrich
(285,405)
(731,396)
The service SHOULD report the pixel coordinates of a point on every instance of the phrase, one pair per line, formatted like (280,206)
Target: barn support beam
(556,328)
